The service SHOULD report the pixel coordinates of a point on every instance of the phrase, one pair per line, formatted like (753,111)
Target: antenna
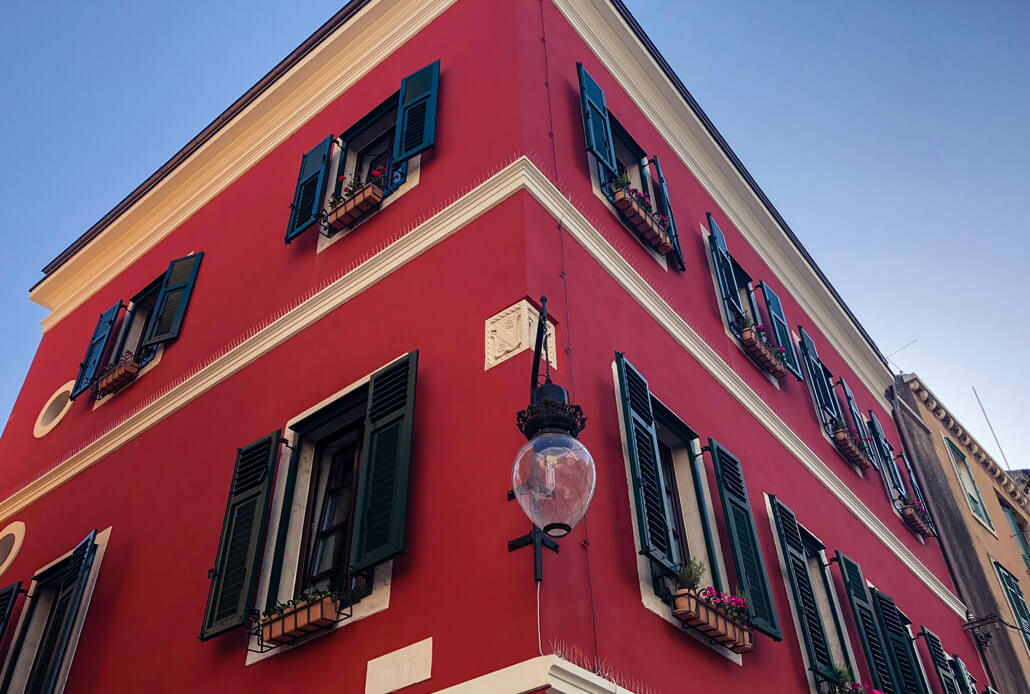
(1007,466)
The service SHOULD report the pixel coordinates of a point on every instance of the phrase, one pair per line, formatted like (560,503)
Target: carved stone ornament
(512,331)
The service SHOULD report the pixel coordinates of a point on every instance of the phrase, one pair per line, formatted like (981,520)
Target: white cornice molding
(616,46)
(520,175)
(332,67)
(560,675)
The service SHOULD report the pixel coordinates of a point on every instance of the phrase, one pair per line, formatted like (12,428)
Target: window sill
(146,369)
(596,184)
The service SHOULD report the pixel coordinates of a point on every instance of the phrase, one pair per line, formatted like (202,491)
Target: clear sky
(891,135)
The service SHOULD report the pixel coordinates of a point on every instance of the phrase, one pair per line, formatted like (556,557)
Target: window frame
(1017,532)
(982,515)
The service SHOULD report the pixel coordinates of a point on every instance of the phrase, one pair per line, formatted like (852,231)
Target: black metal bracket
(538,539)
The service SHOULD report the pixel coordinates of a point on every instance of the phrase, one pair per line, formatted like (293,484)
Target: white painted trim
(16,528)
(520,175)
(531,675)
(39,429)
(595,183)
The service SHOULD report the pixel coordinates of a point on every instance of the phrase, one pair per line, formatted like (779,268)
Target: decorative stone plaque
(512,331)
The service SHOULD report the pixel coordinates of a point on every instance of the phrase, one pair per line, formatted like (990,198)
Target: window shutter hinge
(211,573)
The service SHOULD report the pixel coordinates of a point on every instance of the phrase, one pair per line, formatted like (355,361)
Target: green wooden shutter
(57,632)
(173,298)
(917,489)
(416,113)
(886,451)
(780,329)
(383,471)
(868,628)
(819,382)
(666,209)
(95,350)
(596,123)
(747,550)
(940,662)
(8,596)
(1016,600)
(900,651)
(966,682)
(724,273)
(309,196)
(653,514)
(246,512)
(820,659)
(856,419)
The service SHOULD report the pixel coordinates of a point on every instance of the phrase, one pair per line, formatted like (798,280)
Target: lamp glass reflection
(553,479)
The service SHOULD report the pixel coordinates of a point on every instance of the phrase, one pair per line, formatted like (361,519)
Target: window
(734,284)
(52,619)
(855,421)
(631,181)
(1018,533)
(965,478)
(119,349)
(1017,602)
(819,625)
(344,179)
(888,463)
(907,674)
(869,631)
(941,663)
(348,473)
(820,383)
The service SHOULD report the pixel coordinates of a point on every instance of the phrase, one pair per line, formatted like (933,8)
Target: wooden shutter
(820,659)
(780,329)
(596,123)
(857,420)
(724,274)
(310,193)
(416,113)
(666,209)
(917,490)
(818,381)
(747,550)
(868,627)
(95,350)
(900,651)
(653,514)
(940,662)
(173,298)
(8,596)
(1016,600)
(246,512)
(886,451)
(966,682)
(70,587)
(383,471)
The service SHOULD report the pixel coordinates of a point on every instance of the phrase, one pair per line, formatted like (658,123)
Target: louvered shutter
(856,418)
(233,577)
(966,682)
(8,596)
(820,659)
(1016,600)
(383,471)
(747,550)
(917,489)
(96,350)
(309,196)
(57,632)
(886,451)
(173,298)
(780,329)
(818,381)
(596,123)
(900,650)
(416,113)
(868,627)
(666,209)
(724,273)
(653,514)
(940,662)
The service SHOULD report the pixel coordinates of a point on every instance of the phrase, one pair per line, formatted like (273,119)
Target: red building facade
(254,419)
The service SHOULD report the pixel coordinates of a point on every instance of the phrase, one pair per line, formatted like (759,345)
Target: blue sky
(891,135)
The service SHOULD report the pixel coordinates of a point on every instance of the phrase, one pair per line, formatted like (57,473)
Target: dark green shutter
(780,329)
(666,209)
(8,596)
(940,662)
(743,534)
(819,381)
(95,350)
(653,514)
(724,273)
(900,650)
(416,113)
(917,490)
(966,682)
(856,419)
(385,465)
(596,123)
(1016,600)
(820,659)
(170,309)
(310,193)
(235,572)
(868,628)
(886,451)
(57,632)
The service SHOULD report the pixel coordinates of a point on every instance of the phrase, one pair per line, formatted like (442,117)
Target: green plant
(691,572)
(621,182)
(308,595)
(837,424)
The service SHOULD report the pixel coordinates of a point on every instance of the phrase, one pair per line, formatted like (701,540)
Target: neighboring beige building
(982,517)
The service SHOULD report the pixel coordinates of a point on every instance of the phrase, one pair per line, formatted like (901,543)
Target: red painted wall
(164,492)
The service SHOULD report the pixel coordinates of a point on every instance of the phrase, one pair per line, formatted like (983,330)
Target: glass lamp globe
(553,480)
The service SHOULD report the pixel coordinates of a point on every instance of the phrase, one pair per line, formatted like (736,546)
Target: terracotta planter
(643,221)
(299,620)
(365,199)
(691,609)
(117,376)
(850,448)
(762,353)
(916,521)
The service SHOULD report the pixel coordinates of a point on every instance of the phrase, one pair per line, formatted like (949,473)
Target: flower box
(117,375)
(692,609)
(851,448)
(642,220)
(366,198)
(916,520)
(762,353)
(300,619)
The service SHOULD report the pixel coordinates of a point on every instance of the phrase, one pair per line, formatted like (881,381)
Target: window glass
(369,146)
(824,602)
(965,477)
(1017,532)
